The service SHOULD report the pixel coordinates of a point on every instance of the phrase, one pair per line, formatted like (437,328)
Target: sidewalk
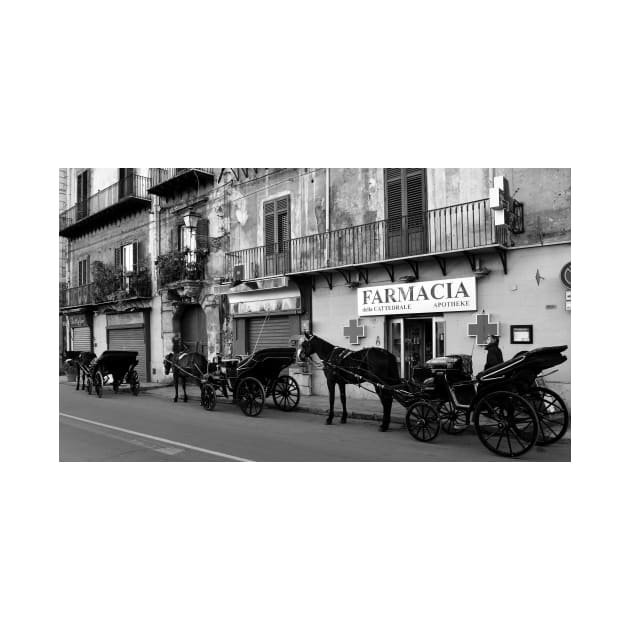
(358,409)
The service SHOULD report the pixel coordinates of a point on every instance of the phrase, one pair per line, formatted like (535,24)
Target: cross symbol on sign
(354,331)
(482,329)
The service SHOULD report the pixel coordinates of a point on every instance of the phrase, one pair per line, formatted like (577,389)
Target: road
(122,427)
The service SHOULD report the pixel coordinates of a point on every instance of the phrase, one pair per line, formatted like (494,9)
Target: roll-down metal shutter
(82,339)
(273,333)
(130,339)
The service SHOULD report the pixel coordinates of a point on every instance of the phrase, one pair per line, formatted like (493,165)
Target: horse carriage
(251,380)
(509,412)
(114,367)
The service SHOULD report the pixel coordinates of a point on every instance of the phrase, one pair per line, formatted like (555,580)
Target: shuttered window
(277,219)
(83,193)
(127,257)
(406,202)
(84,271)
(277,226)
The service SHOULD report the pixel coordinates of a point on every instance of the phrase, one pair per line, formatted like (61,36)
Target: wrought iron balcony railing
(130,192)
(122,286)
(454,228)
(180,266)
(79,296)
(167,181)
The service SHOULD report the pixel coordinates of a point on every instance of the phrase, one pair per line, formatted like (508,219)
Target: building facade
(413,260)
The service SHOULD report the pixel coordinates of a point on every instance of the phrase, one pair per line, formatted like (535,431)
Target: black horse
(345,367)
(81,361)
(192,362)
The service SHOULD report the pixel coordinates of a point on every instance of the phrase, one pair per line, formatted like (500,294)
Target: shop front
(415,315)
(130,331)
(80,331)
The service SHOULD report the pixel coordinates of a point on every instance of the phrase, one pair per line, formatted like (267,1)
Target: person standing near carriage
(495,356)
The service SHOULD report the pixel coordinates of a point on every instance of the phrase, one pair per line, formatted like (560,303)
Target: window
(186,239)
(84,269)
(277,235)
(406,203)
(83,193)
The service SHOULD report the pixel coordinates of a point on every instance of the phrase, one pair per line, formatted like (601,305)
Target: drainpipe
(328,214)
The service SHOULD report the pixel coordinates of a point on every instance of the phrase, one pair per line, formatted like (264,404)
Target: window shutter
(283,230)
(270,239)
(203,228)
(416,198)
(393,177)
(135,256)
(118,258)
(88,271)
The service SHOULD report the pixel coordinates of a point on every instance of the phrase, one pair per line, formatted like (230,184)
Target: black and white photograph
(314,314)
(345,396)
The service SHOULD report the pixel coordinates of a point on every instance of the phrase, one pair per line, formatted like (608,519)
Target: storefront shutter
(82,339)
(130,339)
(272,333)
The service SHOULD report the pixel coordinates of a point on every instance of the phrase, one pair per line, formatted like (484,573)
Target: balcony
(176,267)
(112,287)
(463,229)
(166,182)
(127,195)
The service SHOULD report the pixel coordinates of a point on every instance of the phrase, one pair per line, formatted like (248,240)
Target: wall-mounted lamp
(353,284)
(191,220)
(407,279)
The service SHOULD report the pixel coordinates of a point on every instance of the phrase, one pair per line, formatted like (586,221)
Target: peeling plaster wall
(544,192)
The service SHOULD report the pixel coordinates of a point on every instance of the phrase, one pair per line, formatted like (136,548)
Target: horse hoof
(174,399)
(343,421)
(328,421)
(383,429)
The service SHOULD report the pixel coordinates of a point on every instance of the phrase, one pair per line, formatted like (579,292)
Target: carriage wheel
(208,397)
(286,393)
(422,421)
(553,415)
(452,419)
(98,384)
(134,382)
(250,396)
(506,423)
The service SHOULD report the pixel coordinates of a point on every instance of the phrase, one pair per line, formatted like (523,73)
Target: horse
(192,362)
(78,359)
(346,367)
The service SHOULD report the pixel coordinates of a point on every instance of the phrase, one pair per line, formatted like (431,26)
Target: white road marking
(190,447)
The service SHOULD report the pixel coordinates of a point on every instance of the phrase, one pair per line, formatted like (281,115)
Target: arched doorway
(193,329)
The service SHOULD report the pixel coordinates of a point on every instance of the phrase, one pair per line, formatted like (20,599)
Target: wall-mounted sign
(78,321)
(436,296)
(568,301)
(482,328)
(522,333)
(565,275)
(354,331)
(290,304)
(125,319)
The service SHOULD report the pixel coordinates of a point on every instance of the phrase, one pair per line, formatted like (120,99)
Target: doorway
(415,340)
(193,329)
